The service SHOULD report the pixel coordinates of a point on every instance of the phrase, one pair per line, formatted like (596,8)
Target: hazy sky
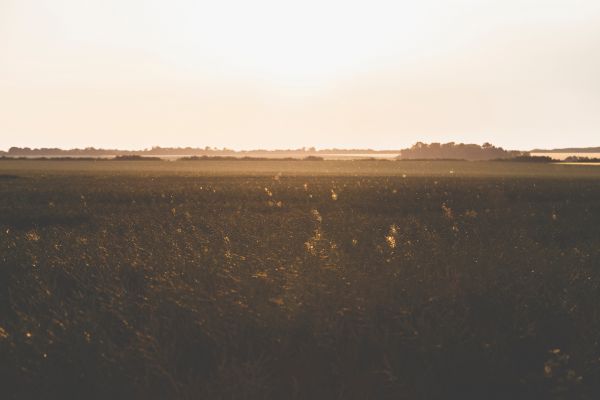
(281,74)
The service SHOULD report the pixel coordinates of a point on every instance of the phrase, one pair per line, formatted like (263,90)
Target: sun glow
(288,42)
(267,73)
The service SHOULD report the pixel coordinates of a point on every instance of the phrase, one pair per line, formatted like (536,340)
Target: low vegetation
(527,158)
(576,159)
(270,286)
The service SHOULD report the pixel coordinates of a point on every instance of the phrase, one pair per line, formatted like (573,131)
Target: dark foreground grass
(322,287)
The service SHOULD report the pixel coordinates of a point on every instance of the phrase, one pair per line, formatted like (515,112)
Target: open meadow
(299,280)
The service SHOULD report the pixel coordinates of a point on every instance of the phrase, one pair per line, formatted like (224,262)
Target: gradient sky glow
(286,74)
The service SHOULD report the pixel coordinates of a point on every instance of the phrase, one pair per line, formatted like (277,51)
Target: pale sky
(286,74)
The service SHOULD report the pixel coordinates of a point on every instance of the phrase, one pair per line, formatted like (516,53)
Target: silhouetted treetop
(462,151)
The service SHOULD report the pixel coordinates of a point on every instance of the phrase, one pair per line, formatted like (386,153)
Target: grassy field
(299,280)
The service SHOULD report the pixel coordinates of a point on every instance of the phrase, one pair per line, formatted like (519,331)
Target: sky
(270,74)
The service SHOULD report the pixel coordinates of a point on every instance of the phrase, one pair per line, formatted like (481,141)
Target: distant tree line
(528,158)
(177,151)
(92,151)
(419,150)
(569,150)
(582,159)
(460,151)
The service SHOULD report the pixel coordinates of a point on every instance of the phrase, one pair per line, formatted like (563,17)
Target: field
(299,280)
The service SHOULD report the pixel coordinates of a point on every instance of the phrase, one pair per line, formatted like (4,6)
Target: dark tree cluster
(460,151)
(582,159)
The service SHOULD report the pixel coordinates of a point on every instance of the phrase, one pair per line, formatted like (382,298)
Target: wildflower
(316,215)
(391,241)
(32,236)
(447,211)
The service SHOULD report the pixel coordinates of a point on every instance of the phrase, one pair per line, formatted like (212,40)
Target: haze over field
(309,200)
(272,74)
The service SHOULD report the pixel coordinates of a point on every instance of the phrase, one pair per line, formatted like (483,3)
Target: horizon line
(306,149)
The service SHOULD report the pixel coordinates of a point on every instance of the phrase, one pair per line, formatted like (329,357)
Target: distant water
(562,156)
(340,156)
